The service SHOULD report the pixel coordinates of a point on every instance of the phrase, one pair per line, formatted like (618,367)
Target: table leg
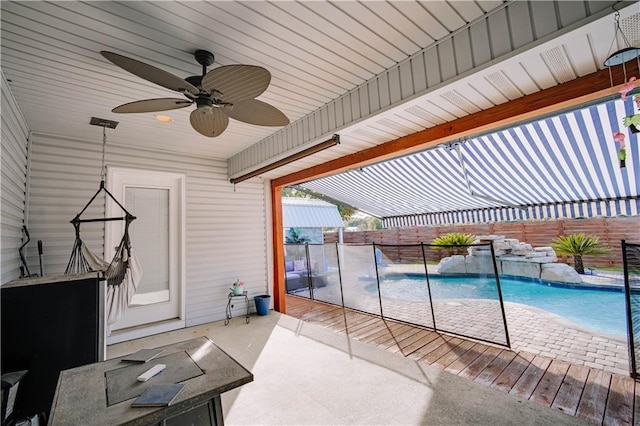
(246,299)
(218,419)
(228,318)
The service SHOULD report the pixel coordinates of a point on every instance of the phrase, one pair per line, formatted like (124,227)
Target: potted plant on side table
(237,288)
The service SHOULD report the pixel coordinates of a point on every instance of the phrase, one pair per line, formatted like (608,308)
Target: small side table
(229,306)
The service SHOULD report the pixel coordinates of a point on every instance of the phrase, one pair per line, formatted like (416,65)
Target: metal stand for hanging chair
(123,273)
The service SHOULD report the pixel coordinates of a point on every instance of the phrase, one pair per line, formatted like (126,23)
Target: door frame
(113,210)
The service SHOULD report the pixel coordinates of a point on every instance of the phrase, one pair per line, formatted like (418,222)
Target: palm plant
(454,241)
(578,245)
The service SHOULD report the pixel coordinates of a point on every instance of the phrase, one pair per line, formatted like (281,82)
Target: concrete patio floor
(307,374)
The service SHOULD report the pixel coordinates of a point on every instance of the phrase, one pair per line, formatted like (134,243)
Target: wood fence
(539,234)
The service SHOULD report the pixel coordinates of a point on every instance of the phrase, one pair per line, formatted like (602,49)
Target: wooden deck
(594,395)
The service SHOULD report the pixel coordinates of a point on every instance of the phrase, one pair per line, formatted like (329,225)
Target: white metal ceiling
(316,51)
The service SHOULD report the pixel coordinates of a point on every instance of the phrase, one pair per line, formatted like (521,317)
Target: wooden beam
(279,301)
(554,99)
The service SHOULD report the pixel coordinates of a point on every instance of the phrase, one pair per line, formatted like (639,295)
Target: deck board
(441,350)
(429,337)
(596,396)
(571,389)
(495,367)
(425,350)
(619,409)
(476,366)
(364,332)
(387,330)
(529,380)
(510,376)
(636,407)
(548,387)
(353,328)
(402,333)
(405,345)
(454,355)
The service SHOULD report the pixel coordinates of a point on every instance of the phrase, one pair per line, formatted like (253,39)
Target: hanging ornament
(622,152)
(621,57)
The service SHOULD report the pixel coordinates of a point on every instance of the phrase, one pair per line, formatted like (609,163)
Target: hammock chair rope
(123,273)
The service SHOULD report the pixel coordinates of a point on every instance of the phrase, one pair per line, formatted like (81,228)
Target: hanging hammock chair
(123,273)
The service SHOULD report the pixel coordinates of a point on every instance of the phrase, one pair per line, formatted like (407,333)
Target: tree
(294,237)
(294,193)
(578,245)
(374,224)
(345,212)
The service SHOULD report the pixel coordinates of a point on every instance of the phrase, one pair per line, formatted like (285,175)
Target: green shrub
(455,242)
(578,245)
(454,239)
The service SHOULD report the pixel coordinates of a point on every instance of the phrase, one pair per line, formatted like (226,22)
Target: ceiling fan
(227,91)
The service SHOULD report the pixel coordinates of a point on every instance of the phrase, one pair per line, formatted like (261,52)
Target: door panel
(157,238)
(150,237)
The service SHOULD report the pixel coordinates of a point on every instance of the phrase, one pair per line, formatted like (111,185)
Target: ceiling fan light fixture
(163,118)
(204,105)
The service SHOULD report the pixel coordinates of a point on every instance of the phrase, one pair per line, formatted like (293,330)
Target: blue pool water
(597,309)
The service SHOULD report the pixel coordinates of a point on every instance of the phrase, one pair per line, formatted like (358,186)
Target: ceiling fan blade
(151,73)
(256,112)
(152,105)
(235,83)
(210,122)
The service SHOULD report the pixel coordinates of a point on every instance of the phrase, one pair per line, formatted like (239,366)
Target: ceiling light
(163,118)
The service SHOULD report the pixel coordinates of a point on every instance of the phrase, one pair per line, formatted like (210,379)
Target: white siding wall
(13,182)
(226,235)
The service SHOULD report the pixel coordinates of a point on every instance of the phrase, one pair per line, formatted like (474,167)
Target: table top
(95,393)
(50,279)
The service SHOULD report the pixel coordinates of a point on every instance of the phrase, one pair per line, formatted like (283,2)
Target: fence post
(309,283)
(375,262)
(340,275)
(504,316)
(426,274)
(627,294)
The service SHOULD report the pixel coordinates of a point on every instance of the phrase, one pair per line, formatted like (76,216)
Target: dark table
(102,393)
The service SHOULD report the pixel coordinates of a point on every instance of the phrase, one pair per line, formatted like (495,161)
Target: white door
(157,238)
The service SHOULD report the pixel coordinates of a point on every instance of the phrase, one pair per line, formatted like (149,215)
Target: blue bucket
(262,303)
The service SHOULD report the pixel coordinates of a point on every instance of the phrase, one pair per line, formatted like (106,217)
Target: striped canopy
(561,166)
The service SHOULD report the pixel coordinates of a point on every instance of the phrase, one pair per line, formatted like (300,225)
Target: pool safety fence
(369,278)
(631,258)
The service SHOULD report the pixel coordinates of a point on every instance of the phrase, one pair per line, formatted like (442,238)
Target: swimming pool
(602,310)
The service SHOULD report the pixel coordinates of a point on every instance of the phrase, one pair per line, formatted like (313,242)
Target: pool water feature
(601,310)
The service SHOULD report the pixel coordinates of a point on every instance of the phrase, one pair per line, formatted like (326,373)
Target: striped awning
(561,166)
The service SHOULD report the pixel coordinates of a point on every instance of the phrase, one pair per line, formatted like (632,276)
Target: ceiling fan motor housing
(204,104)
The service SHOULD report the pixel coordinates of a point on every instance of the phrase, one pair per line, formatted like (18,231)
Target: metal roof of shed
(561,166)
(310,213)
